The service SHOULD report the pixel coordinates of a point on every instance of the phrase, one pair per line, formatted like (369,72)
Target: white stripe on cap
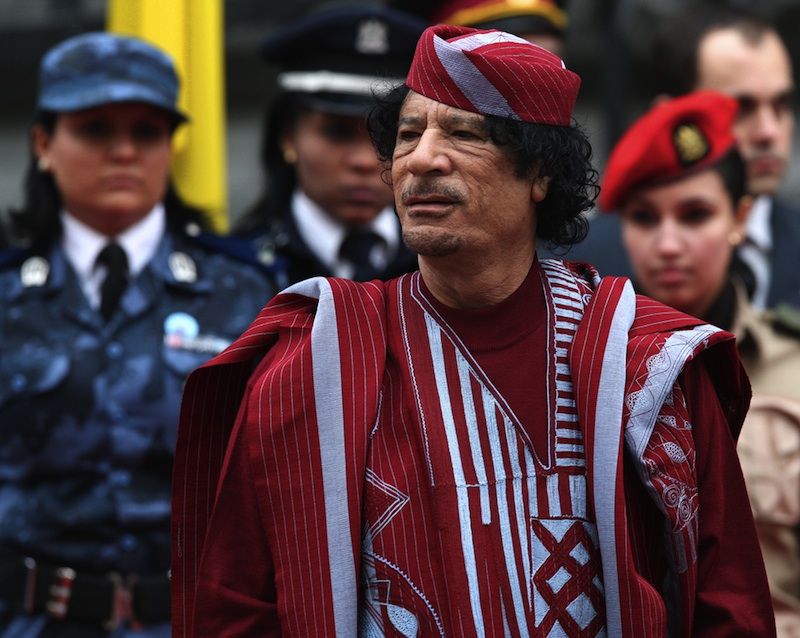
(481,39)
(332,82)
(496,37)
(472,83)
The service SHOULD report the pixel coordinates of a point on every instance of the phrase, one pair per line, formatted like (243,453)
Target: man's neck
(476,284)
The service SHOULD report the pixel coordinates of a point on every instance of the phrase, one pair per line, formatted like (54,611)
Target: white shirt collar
(324,235)
(82,244)
(757,228)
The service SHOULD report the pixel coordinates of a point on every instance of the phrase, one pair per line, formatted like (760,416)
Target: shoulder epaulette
(235,247)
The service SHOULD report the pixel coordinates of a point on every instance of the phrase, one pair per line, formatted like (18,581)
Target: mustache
(431,189)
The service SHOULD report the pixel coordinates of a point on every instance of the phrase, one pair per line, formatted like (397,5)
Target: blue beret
(104,68)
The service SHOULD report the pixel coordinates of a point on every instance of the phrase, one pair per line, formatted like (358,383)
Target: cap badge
(34,272)
(183,268)
(690,143)
(372,37)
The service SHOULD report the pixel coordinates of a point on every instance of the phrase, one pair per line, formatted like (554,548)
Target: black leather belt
(106,600)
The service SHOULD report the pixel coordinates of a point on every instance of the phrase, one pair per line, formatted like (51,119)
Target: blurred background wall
(609,45)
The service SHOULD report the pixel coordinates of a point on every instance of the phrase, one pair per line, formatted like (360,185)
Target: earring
(43,164)
(289,155)
(735,238)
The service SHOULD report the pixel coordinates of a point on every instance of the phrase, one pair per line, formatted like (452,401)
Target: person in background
(459,451)
(542,22)
(742,55)
(326,209)
(112,298)
(678,182)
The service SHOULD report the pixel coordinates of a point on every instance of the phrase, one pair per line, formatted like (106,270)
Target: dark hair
(731,168)
(38,223)
(280,178)
(676,43)
(562,153)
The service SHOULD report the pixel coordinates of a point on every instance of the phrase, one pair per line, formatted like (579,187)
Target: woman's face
(680,237)
(110,163)
(337,166)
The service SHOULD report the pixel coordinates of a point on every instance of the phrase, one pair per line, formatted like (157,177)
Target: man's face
(759,75)
(456,191)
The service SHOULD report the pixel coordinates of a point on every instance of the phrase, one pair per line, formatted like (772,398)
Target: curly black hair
(562,153)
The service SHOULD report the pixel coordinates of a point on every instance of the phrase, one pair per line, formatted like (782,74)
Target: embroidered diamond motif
(582,611)
(558,580)
(567,581)
(580,554)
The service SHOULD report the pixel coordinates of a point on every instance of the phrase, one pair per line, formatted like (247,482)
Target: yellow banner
(191,31)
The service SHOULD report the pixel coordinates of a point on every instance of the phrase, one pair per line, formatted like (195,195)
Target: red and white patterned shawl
(320,388)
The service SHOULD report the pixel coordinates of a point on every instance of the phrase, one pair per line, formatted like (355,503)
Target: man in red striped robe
(492,446)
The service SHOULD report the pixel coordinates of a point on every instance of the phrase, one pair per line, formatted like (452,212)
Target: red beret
(493,73)
(676,137)
(468,12)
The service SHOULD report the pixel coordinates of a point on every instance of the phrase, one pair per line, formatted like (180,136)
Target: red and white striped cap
(493,73)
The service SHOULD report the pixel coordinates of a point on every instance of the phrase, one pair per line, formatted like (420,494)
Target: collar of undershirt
(500,325)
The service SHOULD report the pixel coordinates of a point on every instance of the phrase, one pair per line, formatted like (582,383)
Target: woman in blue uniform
(115,296)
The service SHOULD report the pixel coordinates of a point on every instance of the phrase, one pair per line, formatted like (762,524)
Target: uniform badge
(372,37)
(34,272)
(690,143)
(182,332)
(180,327)
(183,268)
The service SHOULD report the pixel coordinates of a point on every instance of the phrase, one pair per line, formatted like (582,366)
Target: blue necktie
(358,248)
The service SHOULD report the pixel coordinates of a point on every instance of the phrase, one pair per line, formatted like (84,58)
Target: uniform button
(121,478)
(128,542)
(114,350)
(15,313)
(18,382)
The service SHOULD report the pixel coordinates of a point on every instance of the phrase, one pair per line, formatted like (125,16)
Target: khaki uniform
(769,449)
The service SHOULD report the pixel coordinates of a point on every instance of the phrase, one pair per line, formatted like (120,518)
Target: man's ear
(539,188)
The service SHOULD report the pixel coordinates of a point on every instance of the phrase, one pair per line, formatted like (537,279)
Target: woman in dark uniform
(326,209)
